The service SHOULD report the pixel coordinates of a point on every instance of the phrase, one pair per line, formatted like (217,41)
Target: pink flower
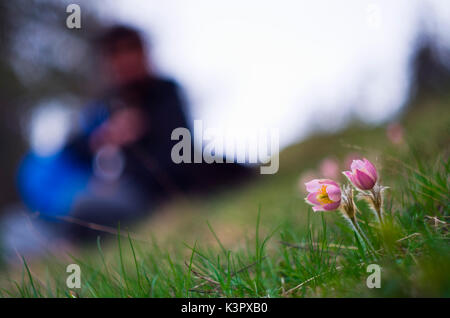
(324,194)
(363,174)
(329,168)
(395,132)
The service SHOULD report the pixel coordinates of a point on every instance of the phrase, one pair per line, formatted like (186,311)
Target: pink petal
(328,181)
(334,193)
(312,199)
(349,176)
(313,185)
(371,169)
(318,208)
(364,181)
(357,164)
(331,206)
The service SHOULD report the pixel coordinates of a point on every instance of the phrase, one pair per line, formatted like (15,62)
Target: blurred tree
(431,67)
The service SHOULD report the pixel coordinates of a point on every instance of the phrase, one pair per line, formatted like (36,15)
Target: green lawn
(263,240)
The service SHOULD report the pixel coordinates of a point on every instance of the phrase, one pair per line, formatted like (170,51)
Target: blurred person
(118,166)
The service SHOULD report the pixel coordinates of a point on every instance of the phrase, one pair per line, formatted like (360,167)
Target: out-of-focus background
(339,80)
(298,66)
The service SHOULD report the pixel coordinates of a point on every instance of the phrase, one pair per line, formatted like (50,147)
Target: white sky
(292,65)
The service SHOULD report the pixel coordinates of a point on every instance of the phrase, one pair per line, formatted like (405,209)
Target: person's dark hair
(119,36)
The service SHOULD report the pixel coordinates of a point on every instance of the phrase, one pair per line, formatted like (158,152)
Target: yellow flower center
(322,196)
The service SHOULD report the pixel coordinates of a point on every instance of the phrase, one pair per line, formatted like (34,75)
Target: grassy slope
(217,246)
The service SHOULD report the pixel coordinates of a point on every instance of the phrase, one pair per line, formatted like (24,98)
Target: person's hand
(125,127)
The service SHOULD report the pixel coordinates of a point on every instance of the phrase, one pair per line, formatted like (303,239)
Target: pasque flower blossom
(324,194)
(363,174)
(327,195)
(364,177)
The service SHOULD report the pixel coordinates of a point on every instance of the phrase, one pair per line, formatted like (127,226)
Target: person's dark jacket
(148,161)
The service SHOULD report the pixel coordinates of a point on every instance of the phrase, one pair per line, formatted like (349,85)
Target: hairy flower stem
(376,199)
(360,232)
(349,210)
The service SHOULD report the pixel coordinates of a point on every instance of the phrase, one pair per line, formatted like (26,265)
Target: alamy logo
(262,147)
(374,279)
(74,279)
(73,20)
